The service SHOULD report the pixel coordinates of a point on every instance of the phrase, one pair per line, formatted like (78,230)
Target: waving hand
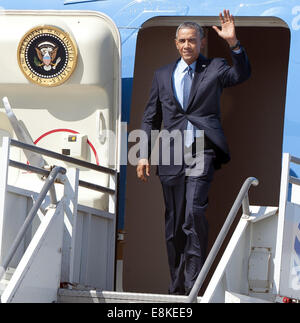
(227,31)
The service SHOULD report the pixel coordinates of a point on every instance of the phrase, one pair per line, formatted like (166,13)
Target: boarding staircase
(58,260)
(48,239)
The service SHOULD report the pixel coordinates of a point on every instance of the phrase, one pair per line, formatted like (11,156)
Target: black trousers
(186,227)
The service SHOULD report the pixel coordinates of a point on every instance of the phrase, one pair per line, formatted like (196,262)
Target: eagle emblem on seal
(46,55)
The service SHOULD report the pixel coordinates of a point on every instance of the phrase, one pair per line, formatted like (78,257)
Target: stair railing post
(221,236)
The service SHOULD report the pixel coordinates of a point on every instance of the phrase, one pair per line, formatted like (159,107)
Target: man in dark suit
(185,96)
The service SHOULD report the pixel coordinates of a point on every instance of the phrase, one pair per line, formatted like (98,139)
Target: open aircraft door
(60,71)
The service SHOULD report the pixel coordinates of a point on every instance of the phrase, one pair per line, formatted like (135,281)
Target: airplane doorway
(252,118)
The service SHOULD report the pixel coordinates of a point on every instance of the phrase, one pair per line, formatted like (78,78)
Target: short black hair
(192,25)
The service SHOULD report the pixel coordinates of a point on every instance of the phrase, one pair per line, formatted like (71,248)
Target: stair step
(231,297)
(6,278)
(3,284)
(9,272)
(94,296)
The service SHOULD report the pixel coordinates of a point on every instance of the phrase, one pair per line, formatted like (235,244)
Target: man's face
(188,43)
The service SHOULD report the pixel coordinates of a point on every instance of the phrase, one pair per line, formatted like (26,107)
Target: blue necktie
(187,84)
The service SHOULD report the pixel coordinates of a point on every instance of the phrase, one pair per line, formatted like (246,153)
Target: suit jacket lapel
(198,76)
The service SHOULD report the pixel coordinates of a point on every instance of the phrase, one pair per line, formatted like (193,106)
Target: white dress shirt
(178,82)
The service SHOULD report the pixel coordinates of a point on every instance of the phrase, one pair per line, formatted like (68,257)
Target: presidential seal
(47,55)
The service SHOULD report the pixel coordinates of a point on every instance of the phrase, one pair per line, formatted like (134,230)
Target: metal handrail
(65,158)
(47,186)
(68,159)
(242,199)
(293,179)
(295,160)
(45,172)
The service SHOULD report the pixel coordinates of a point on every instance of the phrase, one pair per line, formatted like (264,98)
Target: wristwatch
(238,44)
